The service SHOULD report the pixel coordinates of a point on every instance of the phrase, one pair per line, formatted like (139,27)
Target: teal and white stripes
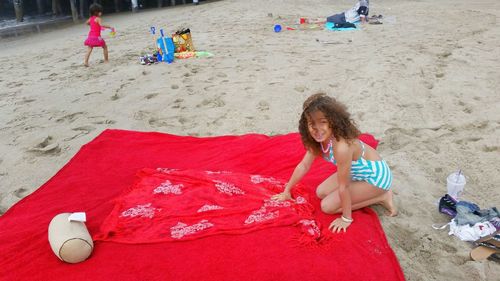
(375,172)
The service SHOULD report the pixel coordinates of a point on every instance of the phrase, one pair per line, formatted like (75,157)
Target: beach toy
(185,55)
(277,28)
(166,45)
(69,239)
(152,29)
(202,54)
(157,49)
(112,31)
(455,184)
(199,54)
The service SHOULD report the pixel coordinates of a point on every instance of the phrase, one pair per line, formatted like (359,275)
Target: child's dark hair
(95,9)
(338,118)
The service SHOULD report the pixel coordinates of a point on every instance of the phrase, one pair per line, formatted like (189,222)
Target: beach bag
(183,41)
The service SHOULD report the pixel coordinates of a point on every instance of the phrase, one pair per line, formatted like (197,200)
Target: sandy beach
(425,82)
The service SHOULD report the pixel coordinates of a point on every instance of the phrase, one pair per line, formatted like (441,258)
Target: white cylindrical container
(455,184)
(70,240)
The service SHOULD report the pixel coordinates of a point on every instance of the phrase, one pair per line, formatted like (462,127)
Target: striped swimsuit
(375,172)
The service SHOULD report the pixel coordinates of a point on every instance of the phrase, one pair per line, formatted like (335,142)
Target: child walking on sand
(362,177)
(94,38)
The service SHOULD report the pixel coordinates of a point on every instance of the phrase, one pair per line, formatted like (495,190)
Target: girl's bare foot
(388,204)
(86,64)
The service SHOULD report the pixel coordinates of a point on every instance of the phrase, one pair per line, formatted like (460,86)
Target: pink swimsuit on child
(94,38)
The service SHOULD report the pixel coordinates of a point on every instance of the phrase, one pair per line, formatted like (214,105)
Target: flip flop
(488,246)
(482,253)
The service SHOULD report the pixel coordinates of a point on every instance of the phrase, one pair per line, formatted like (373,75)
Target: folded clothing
(470,214)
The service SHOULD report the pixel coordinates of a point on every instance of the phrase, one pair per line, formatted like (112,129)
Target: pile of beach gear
(469,222)
(166,49)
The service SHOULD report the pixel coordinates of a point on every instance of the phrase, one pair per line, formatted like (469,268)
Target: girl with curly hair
(362,178)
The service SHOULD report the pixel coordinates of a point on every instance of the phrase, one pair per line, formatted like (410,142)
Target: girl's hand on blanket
(339,224)
(282,196)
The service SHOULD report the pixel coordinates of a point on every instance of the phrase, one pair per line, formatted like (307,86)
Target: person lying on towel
(357,13)
(362,177)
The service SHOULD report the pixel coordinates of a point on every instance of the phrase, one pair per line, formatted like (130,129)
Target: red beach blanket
(101,176)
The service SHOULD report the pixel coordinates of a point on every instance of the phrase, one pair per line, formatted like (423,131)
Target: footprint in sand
(46,147)
(70,117)
(397,138)
(106,121)
(404,238)
(52,76)
(14,84)
(467,110)
(157,122)
(360,116)
(174,87)
(116,96)
(20,192)
(177,103)
(212,103)
(150,96)
(93,93)
(263,106)
(300,89)
(83,130)
(170,122)
(187,80)
(25,101)
(490,148)
(141,115)
(208,87)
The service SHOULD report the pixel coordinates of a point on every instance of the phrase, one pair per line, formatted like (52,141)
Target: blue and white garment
(360,9)
(375,172)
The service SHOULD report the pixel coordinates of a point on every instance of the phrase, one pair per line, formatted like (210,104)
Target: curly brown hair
(338,118)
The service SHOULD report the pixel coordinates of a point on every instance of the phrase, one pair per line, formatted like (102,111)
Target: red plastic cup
(302,20)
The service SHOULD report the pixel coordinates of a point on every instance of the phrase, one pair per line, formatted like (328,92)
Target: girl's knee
(320,192)
(328,207)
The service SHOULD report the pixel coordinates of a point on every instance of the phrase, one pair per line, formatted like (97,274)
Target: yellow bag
(183,41)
